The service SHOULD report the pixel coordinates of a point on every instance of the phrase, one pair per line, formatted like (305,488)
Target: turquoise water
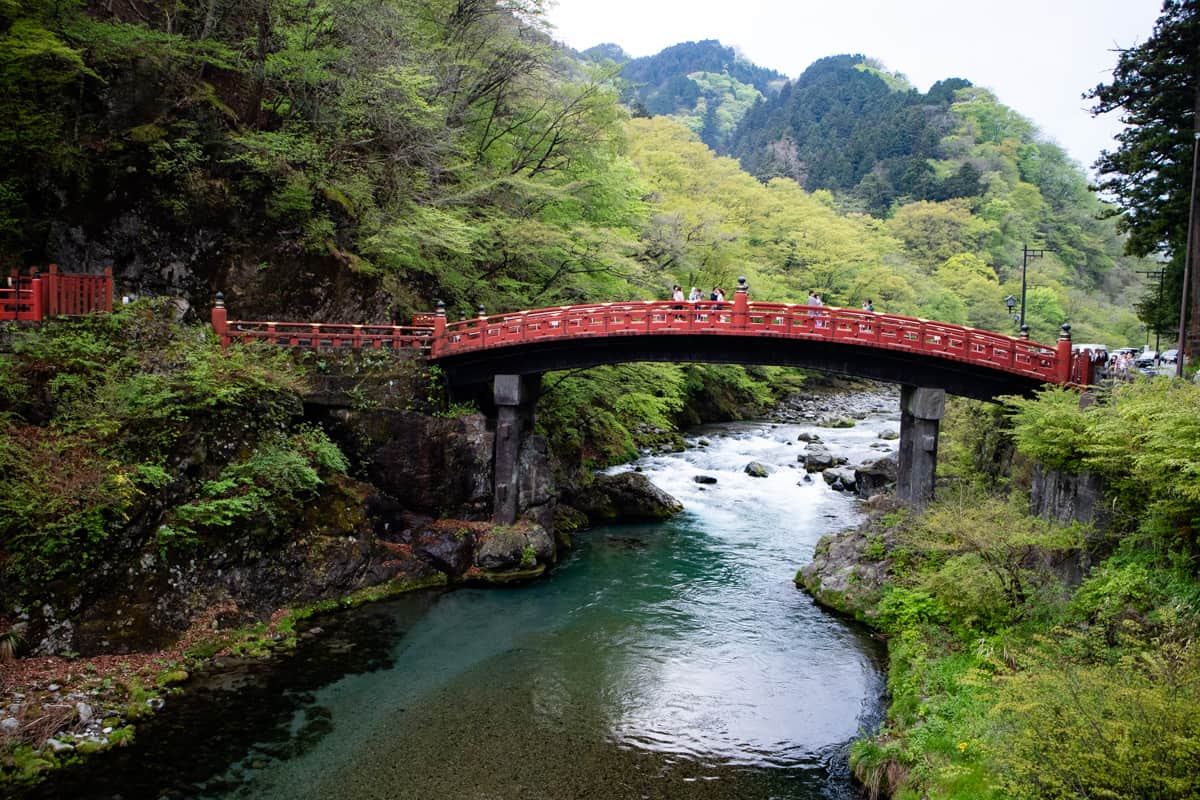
(657,661)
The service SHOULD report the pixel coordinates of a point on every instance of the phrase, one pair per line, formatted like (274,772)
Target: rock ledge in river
(625,497)
(843,577)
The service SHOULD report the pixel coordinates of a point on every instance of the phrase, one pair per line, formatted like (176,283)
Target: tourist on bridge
(695,296)
(868,306)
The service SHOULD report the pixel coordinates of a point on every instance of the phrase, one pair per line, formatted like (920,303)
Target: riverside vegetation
(354,161)
(1031,658)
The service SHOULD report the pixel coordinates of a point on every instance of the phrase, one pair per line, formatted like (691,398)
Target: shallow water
(672,660)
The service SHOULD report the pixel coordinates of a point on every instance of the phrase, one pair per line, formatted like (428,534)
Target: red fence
(37,296)
(434,336)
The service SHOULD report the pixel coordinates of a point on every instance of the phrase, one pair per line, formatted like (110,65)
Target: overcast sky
(1038,56)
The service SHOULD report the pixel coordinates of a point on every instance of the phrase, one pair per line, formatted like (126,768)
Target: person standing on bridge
(677,293)
(694,297)
(868,306)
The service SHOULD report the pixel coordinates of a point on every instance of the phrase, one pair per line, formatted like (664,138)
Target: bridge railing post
(438,341)
(220,320)
(1064,362)
(50,306)
(37,309)
(741,304)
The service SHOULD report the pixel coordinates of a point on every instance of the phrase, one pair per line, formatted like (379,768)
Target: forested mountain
(704,85)
(952,172)
(843,126)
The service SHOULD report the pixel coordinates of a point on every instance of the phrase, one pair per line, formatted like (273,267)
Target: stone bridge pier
(514,396)
(921,410)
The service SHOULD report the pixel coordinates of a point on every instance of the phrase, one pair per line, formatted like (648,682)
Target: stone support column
(514,396)
(921,409)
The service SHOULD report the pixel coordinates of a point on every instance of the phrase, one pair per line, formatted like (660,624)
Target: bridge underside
(892,366)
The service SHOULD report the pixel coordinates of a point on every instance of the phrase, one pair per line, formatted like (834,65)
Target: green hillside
(363,161)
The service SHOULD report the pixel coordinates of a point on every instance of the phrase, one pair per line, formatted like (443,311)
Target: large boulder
(848,572)
(624,497)
(840,478)
(817,457)
(876,476)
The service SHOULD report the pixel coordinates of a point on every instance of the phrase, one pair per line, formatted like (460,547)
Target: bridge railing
(434,336)
(785,320)
(320,334)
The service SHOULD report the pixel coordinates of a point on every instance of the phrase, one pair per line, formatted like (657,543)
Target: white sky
(1038,56)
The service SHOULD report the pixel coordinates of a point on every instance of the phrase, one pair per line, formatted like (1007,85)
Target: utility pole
(1186,347)
(1027,254)
(1155,273)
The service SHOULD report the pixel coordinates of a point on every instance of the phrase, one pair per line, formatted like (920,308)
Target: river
(675,660)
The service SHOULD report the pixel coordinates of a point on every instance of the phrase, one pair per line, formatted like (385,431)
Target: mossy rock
(510,576)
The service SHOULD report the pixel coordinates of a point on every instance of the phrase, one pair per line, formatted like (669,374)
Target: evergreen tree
(1150,174)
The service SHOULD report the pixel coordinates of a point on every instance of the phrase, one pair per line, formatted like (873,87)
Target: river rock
(447,548)
(817,457)
(9,726)
(59,748)
(624,497)
(756,469)
(873,477)
(519,547)
(806,436)
(840,478)
(84,711)
(431,465)
(704,479)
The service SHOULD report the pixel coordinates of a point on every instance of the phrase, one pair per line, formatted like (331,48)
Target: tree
(1150,174)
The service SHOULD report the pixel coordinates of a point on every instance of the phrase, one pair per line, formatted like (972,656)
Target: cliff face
(417,513)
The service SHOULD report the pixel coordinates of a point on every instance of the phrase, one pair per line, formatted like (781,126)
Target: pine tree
(1150,175)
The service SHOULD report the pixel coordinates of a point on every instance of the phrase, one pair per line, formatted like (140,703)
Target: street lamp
(1011,301)
(1027,254)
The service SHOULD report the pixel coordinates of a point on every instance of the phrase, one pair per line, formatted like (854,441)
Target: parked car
(1169,356)
(1146,358)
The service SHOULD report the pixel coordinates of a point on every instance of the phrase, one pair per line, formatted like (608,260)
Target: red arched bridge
(887,347)
(512,351)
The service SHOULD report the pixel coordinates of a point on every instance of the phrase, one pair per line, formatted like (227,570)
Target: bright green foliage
(1125,727)
(281,472)
(1144,440)
(131,396)
(591,416)
(599,417)
(1006,680)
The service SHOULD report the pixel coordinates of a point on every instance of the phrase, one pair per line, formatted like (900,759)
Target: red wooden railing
(438,338)
(321,334)
(36,296)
